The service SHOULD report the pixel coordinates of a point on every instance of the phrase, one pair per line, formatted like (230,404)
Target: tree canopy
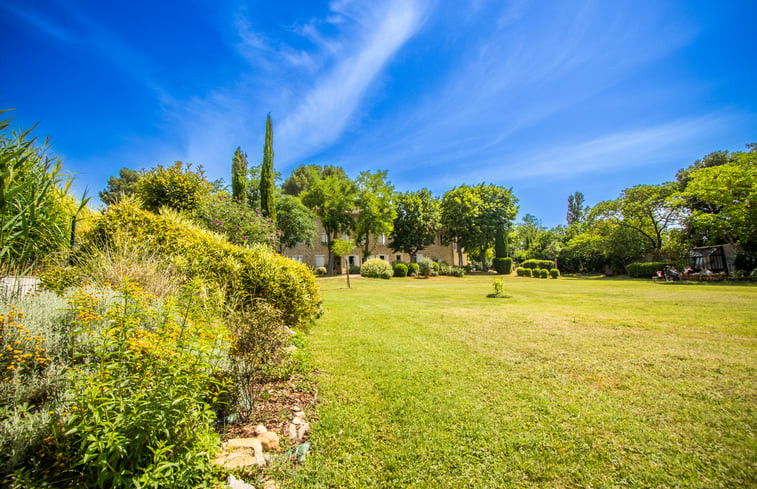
(416,223)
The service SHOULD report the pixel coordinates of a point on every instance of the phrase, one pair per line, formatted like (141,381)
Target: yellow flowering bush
(177,187)
(250,273)
(130,401)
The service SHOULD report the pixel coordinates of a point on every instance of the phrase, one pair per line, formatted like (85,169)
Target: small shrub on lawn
(377,268)
(320,271)
(503,266)
(524,272)
(412,269)
(444,268)
(400,270)
(456,272)
(498,288)
(426,268)
(554,273)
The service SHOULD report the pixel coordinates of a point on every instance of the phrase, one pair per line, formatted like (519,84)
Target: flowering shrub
(426,267)
(126,401)
(252,272)
(240,224)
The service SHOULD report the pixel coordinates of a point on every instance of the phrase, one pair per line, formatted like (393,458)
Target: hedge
(377,268)
(645,270)
(543,264)
(503,266)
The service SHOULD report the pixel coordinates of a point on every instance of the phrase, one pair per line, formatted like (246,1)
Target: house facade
(318,255)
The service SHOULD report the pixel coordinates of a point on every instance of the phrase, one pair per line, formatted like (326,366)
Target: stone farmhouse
(318,255)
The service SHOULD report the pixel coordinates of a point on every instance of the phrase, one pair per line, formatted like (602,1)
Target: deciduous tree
(376,210)
(416,223)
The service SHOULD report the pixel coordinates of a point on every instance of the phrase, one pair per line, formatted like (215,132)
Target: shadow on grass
(495,296)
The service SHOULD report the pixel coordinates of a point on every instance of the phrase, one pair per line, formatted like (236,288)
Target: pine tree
(239,180)
(267,205)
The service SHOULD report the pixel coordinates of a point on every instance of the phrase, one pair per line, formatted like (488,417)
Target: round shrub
(554,273)
(354,269)
(426,268)
(177,187)
(412,269)
(456,272)
(436,266)
(377,268)
(524,272)
(400,270)
(503,266)
(544,273)
(320,271)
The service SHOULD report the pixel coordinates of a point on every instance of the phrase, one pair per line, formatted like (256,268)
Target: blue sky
(545,97)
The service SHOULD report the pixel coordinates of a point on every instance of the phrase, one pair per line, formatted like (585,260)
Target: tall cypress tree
(500,243)
(267,205)
(239,176)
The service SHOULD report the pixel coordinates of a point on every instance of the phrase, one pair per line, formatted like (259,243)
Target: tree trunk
(483,260)
(459,256)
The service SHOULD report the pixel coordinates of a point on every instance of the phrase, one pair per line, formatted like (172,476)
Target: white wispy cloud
(327,107)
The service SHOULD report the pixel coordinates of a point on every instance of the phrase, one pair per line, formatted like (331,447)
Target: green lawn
(564,383)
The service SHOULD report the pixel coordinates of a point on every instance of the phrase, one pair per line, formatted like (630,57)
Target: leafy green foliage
(543,273)
(340,248)
(412,269)
(554,273)
(400,270)
(267,186)
(523,272)
(377,268)
(252,272)
(498,287)
(239,182)
(176,187)
(576,209)
(544,264)
(646,270)
(294,221)
(726,197)
(320,271)
(503,266)
(301,177)
(426,267)
(332,199)
(142,375)
(375,201)
(240,224)
(36,209)
(125,185)
(500,243)
(258,350)
(472,216)
(416,223)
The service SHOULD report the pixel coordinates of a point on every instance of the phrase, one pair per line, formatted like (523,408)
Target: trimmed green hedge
(412,269)
(554,273)
(242,273)
(523,272)
(544,264)
(645,270)
(503,266)
(400,270)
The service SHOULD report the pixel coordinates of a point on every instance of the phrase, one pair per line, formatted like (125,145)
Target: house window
(299,243)
(399,257)
(354,260)
(324,238)
(454,246)
(418,257)
(320,261)
(382,239)
(384,257)
(297,258)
